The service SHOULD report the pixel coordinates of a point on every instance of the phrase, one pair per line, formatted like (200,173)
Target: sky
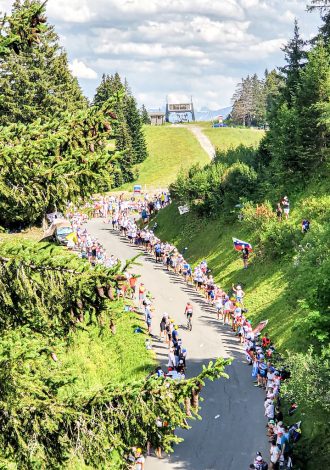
(175,48)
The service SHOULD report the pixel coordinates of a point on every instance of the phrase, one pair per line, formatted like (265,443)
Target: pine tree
(103,91)
(323,6)
(273,85)
(145,118)
(35,80)
(134,123)
(312,135)
(295,56)
(130,138)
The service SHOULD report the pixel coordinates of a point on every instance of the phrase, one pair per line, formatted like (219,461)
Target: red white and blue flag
(239,245)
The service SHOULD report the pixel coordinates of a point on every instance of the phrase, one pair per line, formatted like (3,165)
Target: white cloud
(180,47)
(80,70)
(148,50)
(70,11)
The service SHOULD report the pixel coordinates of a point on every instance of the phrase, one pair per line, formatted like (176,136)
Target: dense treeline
(130,138)
(54,147)
(253,99)
(292,159)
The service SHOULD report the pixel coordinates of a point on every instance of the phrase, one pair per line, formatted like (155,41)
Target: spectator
(286,207)
(305,224)
(139,460)
(279,211)
(245,255)
(275,455)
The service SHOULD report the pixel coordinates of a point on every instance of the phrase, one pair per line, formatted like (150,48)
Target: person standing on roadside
(139,460)
(245,256)
(279,211)
(142,291)
(275,455)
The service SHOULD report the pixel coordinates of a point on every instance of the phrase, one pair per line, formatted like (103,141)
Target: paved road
(233,425)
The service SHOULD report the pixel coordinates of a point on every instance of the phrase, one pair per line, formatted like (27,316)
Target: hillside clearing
(224,138)
(170,150)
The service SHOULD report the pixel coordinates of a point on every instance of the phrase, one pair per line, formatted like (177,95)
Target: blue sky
(176,47)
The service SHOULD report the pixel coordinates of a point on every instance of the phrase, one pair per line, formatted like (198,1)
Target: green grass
(224,138)
(174,148)
(266,281)
(97,358)
(170,149)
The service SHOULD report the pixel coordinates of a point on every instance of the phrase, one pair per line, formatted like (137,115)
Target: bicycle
(189,323)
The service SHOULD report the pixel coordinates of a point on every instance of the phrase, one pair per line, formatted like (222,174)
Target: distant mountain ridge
(206,114)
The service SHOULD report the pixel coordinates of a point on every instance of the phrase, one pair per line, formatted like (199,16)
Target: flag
(73,237)
(183,209)
(260,327)
(239,244)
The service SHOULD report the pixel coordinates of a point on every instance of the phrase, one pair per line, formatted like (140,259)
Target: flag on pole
(239,244)
(260,327)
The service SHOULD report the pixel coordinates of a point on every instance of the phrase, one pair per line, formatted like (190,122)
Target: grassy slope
(227,137)
(265,282)
(97,358)
(174,148)
(170,149)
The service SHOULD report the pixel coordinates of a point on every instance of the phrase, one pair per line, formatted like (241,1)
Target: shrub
(239,181)
(257,216)
(279,239)
(317,208)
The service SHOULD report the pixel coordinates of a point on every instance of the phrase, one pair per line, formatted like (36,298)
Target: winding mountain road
(232,428)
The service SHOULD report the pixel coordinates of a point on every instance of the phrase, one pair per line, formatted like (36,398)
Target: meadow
(224,138)
(172,149)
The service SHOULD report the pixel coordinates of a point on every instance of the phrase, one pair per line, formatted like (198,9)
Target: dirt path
(204,141)
(233,425)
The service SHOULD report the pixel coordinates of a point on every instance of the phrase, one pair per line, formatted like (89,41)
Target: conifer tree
(134,123)
(145,118)
(35,80)
(295,56)
(312,134)
(323,6)
(130,138)
(103,91)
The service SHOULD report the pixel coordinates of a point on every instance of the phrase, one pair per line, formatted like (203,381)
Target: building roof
(156,113)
